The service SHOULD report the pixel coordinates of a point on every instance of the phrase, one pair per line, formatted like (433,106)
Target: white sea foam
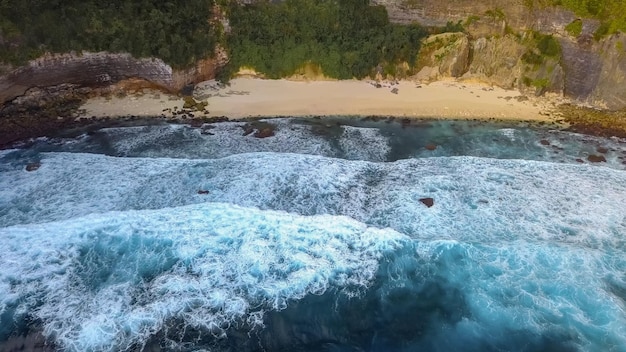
(107,282)
(110,282)
(524,286)
(219,140)
(360,143)
(475,198)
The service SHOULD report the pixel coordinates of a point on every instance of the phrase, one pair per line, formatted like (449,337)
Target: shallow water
(315,239)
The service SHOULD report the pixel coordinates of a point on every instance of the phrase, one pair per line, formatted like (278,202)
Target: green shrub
(548,45)
(575,28)
(532,58)
(540,83)
(602,30)
(471,20)
(496,14)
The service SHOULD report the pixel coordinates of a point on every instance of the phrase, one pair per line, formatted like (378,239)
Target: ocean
(334,234)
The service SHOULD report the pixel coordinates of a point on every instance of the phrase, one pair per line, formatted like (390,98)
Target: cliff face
(438,13)
(88,69)
(611,84)
(102,69)
(590,71)
(587,71)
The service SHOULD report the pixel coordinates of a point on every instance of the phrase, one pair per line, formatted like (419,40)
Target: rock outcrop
(443,55)
(86,69)
(610,89)
(496,60)
(103,69)
(500,33)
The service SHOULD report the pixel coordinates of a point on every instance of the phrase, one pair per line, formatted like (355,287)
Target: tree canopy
(176,31)
(346,38)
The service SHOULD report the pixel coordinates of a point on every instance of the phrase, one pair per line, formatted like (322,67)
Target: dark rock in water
(206,130)
(264,132)
(431,146)
(261,129)
(544,142)
(33,166)
(429,202)
(602,150)
(196,123)
(203,191)
(247,130)
(596,158)
(580,160)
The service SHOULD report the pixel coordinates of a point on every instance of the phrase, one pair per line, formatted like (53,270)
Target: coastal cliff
(510,44)
(590,70)
(103,69)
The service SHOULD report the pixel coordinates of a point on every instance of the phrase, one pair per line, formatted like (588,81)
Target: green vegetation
(611,13)
(542,47)
(345,38)
(547,45)
(176,31)
(575,28)
(471,20)
(539,83)
(495,14)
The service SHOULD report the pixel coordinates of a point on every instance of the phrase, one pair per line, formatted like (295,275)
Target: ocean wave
(223,278)
(109,282)
(476,199)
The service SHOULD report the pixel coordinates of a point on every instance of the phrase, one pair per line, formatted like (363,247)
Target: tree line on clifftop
(176,31)
(346,39)
(342,38)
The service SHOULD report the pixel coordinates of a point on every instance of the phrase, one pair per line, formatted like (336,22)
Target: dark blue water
(162,237)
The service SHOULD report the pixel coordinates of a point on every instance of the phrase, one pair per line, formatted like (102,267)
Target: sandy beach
(251,97)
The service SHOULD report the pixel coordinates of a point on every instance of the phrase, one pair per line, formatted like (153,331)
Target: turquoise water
(315,239)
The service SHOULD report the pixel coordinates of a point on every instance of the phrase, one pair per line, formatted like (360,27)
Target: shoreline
(251,98)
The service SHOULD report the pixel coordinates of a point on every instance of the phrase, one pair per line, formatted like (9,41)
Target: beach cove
(247,97)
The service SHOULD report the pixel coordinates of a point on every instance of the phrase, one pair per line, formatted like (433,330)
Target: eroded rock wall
(610,90)
(86,69)
(103,69)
